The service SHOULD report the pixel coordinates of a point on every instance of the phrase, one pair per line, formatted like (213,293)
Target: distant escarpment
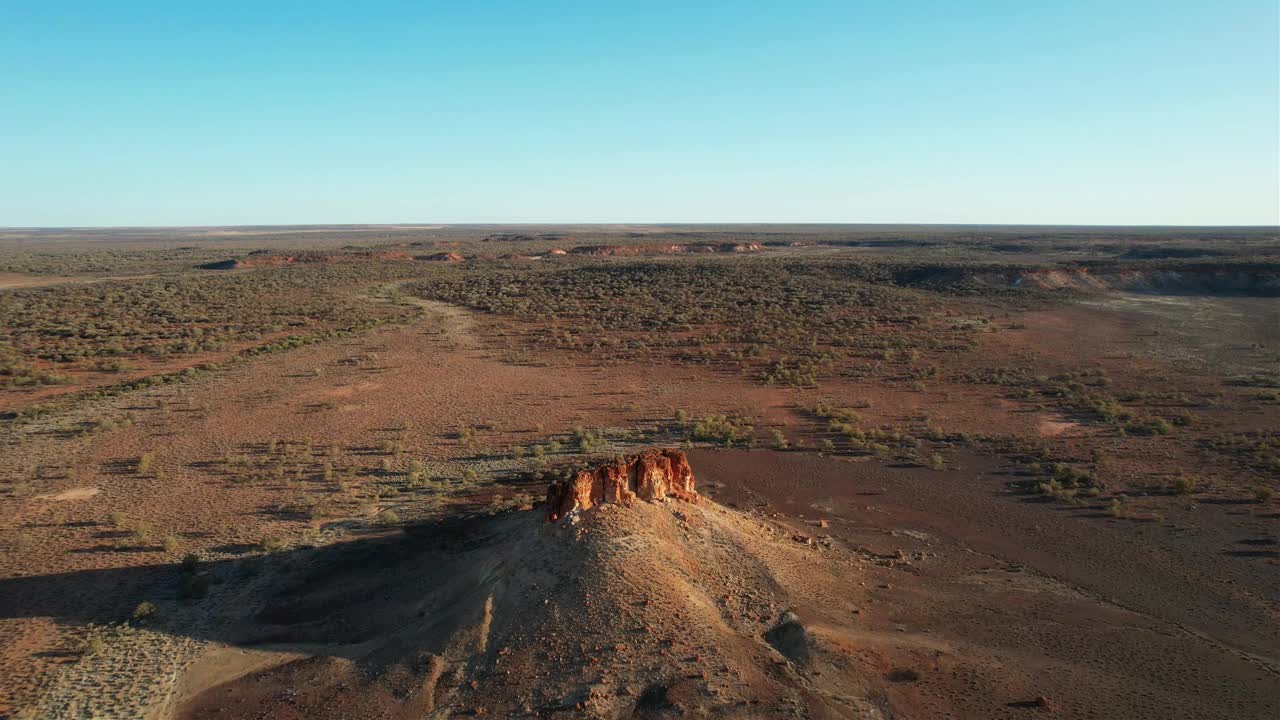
(443,257)
(521,237)
(1258,279)
(272,259)
(1262,279)
(650,475)
(665,249)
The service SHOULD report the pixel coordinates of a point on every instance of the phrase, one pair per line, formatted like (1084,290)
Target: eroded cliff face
(1261,279)
(666,249)
(269,259)
(443,257)
(651,475)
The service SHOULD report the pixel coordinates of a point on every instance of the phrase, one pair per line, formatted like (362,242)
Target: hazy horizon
(620,224)
(922,113)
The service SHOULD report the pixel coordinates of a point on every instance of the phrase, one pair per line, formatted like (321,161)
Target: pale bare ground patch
(218,664)
(455,324)
(76,493)
(1206,333)
(19,280)
(10,281)
(346,391)
(1053,427)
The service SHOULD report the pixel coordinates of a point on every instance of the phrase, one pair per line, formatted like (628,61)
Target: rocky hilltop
(636,608)
(651,475)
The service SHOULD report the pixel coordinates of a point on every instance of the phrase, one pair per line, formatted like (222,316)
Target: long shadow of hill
(331,595)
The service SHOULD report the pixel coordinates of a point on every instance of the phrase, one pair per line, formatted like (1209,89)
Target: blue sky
(1083,112)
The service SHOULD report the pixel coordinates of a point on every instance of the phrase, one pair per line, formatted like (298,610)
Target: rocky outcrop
(1261,279)
(269,259)
(651,475)
(443,257)
(1226,279)
(521,237)
(665,249)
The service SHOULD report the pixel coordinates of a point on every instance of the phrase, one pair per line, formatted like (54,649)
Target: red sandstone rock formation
(651,475)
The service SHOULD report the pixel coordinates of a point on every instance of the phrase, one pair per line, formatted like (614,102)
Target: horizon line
(441,224)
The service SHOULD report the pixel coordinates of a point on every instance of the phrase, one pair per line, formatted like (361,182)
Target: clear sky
(1025,111)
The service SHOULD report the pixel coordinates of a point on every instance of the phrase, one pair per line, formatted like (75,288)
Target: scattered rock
(790,638)
(1039,702)
(1044,702)
(904,675)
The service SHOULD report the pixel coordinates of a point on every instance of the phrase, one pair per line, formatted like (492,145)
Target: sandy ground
(20,280)
(1002,600)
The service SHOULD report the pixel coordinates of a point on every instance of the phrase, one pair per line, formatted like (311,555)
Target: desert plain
(938,471)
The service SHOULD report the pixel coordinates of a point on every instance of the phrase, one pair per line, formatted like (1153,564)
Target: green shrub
(93,644)
(1185,484)
(725,429)
(144,611)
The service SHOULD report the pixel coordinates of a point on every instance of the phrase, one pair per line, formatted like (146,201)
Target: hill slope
(652,610)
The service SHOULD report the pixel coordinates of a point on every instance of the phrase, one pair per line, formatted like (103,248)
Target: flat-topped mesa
(651,475)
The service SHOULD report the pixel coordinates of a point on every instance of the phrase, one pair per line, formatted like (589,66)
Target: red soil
(995,600)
